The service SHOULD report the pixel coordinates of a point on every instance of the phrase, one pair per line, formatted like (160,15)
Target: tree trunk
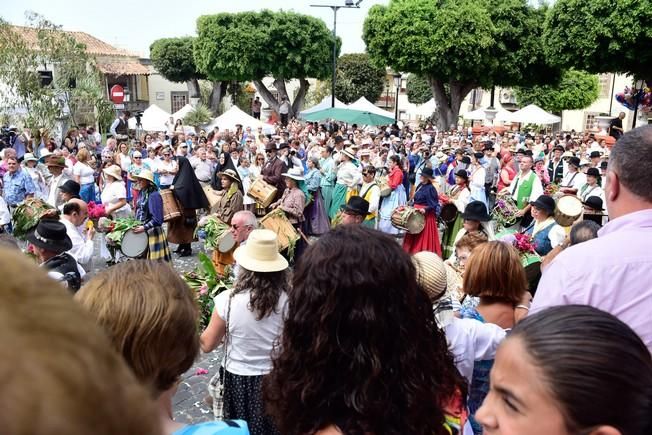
(279,85)
(297,104)
(449,103)
(267,95)
(193,88)
(217,94)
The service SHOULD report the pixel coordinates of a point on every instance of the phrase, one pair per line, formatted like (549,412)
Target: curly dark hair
(265,288)
(360,348)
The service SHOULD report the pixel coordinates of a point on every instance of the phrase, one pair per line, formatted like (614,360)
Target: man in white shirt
(284,110)
(202,166)
(56,165)
(74,215)
(574,179)
(526,185)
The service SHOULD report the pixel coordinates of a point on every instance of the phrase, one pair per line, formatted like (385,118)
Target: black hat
(546,203)
(72,187)
(528,153)
(594,202)
(462,173)
(459,151)
(476,211)
(478,155)
(466,159)
(595,154)
(520,151)
(271,146)
(338,139)
(593,172)
(575,161)
(558,147)
(50,234)
(356,205)
(428,173)
(604,165)
(489,145)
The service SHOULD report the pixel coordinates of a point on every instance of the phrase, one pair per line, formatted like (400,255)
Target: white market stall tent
(325,103)
(154,119)
(534,114)
(234,116)
(181,113)
(426,109)
(502,115)
(365,105)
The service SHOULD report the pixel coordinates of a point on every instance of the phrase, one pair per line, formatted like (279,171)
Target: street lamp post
(348,4)
(397,83)
(637,89)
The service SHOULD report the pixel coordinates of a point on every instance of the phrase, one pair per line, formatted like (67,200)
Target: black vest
(558,174)
(122,128)
(66,265)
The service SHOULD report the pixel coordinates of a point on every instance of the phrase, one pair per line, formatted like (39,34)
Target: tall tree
(173,58)
(458,45)
(601,36)
(75,92)
(577,90)
(254,45)
(358,77)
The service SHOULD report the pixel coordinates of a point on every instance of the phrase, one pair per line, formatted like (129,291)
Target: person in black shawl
(191,197)
(224,162)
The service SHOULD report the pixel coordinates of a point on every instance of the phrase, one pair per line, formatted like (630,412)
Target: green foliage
(418,89)
(318,92)
(252,45)
(358,77)
(200,115)
(77,88)
(601,35)
(173,58)
(577,90)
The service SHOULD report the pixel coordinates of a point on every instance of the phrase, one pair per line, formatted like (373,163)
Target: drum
(211,195)
(567,210)
(385,190)
(226,242)
(279,223)
(408,219)
(171,208)
(448,213)
(134,245)
(264,193)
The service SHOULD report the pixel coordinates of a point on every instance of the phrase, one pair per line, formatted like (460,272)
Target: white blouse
(84,172)
(113,193)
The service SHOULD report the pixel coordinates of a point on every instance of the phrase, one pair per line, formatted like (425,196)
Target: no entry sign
(117,94)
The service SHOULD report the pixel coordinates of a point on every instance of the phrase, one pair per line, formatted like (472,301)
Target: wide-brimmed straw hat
(231,174)
(145,174)
(295,174)
(29,157)
(113,171)
(349,152)
(260,253)
(431,274)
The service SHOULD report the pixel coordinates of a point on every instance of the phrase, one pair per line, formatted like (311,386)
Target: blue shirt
(17,186)
(227,427)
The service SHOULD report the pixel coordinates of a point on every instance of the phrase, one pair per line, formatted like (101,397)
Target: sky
(143,21)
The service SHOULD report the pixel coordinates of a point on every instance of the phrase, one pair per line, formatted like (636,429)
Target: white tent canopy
(325,103)
(426,109)
(234,116)
(181,113)
(153,119)
(480,114)
(367,106)
(534,114)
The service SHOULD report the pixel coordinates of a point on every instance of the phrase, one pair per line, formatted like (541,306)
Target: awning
(123,68)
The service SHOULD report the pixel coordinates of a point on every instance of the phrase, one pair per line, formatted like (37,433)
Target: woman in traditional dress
(507,171)
(426,202)
(224,162)
(191,197)
(546,233)
(114,200)
(460,196)
(328,176)
(244,172)
(477,179)
(231,198)
(250,318)
(316,217)
(149,211)
(475,218)
(30,164)
(495,275)
(135,168)
(396,199)
(348,179)
(592,186)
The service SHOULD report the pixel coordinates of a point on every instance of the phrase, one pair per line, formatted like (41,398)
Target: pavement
(188,402)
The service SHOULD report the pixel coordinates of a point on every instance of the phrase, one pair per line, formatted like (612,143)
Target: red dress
(425,197)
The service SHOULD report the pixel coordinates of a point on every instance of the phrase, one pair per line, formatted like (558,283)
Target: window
(179,99)
(589,120)
(604,85)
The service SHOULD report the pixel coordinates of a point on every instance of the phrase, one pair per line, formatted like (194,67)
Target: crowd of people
(442,282)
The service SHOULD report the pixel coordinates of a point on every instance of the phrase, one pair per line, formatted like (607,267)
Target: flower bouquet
(551,189)
(95,212)
(524,243)
(504,213)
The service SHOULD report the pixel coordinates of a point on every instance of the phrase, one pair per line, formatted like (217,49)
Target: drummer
(592,185)
(231,198)
(149,211)
(460,196)
(293,202)
(426,202)
(574,179)
(546,233)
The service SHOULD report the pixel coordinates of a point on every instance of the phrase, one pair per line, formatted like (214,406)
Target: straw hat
(295,174)
(260,253)
(231,174)
(431,274)
(113,171)
(29,157)
(145,174)
(349,152)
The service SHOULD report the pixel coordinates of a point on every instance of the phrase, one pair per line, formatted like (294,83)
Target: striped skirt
(158,245)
